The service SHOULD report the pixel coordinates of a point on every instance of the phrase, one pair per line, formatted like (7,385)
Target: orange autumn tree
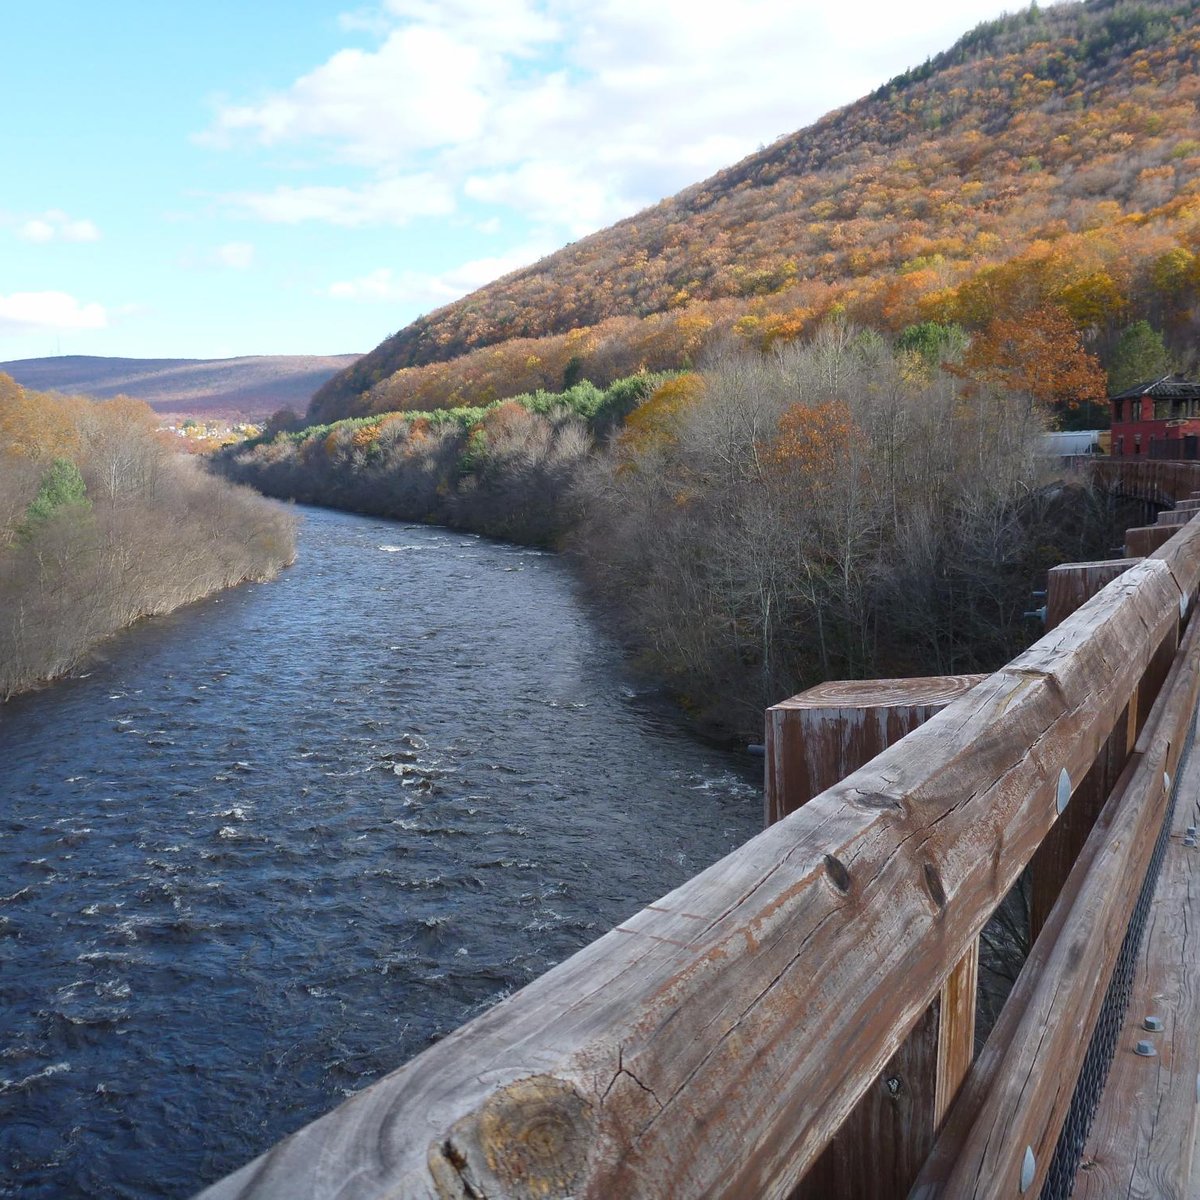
(813,440)
(365,436)
(1039,354)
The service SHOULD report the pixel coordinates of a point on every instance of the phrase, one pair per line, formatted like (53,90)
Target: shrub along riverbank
(507,470)
(102,523)
(842,508)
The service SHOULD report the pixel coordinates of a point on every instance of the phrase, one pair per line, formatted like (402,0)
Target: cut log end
(884,693)
(529,1141)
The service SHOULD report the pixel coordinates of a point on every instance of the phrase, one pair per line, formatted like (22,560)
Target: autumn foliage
(1051,158)
(652,424)
(1039,354)
(813,438)
(845,505)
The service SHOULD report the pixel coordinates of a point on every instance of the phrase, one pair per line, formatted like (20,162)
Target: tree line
(102,523)
(507,469)
(845,506)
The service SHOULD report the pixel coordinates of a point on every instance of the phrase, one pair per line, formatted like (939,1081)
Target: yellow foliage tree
(365,436)
(1095,300)
(37,425)
(652,424)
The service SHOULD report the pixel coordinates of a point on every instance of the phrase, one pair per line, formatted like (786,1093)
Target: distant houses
(1159,418)
(200,436)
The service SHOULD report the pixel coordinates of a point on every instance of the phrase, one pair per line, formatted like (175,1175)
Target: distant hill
(220,387)
(1049,156)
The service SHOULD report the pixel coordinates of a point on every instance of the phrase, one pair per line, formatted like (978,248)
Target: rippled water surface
(276,843)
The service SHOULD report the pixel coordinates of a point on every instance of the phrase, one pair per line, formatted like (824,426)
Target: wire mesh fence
(1060,1181)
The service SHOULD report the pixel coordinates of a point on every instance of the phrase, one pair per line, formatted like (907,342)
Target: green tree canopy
(62,487)
(933,341)
(1139,355)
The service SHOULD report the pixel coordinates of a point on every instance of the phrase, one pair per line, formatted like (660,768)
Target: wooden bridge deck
(718,1042)
(1143,1140)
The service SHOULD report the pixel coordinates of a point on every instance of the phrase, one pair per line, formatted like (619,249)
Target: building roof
(1167,387)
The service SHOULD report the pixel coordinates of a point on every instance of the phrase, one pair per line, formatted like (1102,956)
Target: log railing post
(1145,539)
(813,741)
(1071,585)
(1001,1136)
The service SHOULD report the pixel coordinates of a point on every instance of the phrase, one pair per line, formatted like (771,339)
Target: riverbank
(746,529)
(102,525)
(61,606)
(508,470)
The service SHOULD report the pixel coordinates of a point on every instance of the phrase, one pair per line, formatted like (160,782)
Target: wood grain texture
(956,1033)
(1145,479)
(1142,1143)
(813,741)
(1144,539)
(1071,585)
(1181,553)
(976,1088)
(1056,857)
(1175,516)
(875,1152)
(1022,1087)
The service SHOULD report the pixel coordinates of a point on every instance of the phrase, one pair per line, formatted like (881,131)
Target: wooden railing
(715,1043)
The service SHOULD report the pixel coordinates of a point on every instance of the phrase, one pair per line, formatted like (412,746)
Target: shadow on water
(276,843)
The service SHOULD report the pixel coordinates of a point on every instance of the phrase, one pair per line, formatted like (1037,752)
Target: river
(274,844)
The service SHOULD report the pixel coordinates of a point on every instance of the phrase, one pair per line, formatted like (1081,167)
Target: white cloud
(55,226)
(422,88)
(549,193)
(23,311)
(37,230)
(512,26)
(571,112)
(430,290)
(382,202)
(236,255)
(385,284)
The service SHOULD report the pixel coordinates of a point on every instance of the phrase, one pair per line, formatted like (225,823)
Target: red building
(1157,419)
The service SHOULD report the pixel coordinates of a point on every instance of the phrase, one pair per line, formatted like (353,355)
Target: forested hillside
(1048,162)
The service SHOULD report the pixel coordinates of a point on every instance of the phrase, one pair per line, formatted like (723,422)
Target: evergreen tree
(934,342)
(1139,356)
(62,487)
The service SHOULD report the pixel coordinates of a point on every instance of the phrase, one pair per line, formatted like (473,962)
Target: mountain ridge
(1019,133)
(245,386)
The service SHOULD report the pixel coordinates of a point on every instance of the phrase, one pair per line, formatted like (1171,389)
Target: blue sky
(206,180)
